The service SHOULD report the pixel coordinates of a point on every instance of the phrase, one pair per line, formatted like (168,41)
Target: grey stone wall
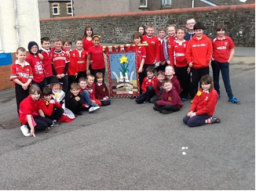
(239,20)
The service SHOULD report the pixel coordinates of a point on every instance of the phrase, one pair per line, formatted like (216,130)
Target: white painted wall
(28,20)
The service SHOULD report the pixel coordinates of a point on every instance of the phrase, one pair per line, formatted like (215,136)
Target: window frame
(144,6)
(68,5)
(58,8)
(166,3)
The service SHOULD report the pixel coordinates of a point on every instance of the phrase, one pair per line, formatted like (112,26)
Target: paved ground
(129,146)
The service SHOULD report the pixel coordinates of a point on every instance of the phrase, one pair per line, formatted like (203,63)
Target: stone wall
(118,28)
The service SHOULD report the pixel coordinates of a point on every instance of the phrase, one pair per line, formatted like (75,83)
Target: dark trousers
(224,68)
(56,114)
(105,102)
(183,77)
(81,74)
(20,95)
(141,78)
(64,82)
(146,96)
(41,85)
(41,123)
(195,76)
(195,121)
(75,107)
(161,67)
(94,71)
(155,98)
(166,107)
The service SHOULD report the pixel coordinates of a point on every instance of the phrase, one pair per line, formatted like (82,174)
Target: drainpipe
(208,2)
(72,8)
(17,27)
(193,3)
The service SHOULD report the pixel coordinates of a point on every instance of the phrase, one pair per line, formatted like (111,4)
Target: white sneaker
(94,108)
(24,129)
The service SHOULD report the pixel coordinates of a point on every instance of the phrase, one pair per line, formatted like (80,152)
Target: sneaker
(218,95)
(166,111)
(85,106)
(156,108)
(233,100)
(215,120)
(94,108)
(79,113)
(25,131)
(183,99)
(191,101)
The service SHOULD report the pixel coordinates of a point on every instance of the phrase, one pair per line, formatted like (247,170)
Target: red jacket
(21,73)
(148,82)
(152,50)
(170,98)
(178,54)
(77,61)
(47,62)
(48,107)
(199,52)
(37,67)
(60,62)
(161,50)
(204,103)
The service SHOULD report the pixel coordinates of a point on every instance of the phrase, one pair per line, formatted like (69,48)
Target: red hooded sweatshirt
(199,52)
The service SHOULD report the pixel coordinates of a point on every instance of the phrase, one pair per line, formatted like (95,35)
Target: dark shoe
(156,108)
(133,97)
(79,113)
(233,100)
(215,120)
(166,111)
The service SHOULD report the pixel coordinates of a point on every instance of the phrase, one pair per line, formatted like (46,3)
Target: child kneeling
(204,105)
(170,99)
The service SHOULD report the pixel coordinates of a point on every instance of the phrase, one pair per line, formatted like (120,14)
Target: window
(69,8)
(143,3)
(55,8)
(166,2)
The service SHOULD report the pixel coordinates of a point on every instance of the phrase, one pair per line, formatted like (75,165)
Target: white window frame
(68,5)
(58,8)
(144,5)
(166,2)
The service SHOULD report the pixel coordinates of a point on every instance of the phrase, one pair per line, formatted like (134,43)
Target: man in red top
(198,55)
(223,51)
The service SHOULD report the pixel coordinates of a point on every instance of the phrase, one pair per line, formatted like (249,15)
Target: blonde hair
(34,88)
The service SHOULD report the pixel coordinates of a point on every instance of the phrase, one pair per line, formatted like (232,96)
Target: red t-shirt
(148,82)
(97,57)
(87,44)
(221,48)
(59,61)
(28,107)
(21,73)
(152,50)
(178,53)
(47,62)
(37,67)
(77,61)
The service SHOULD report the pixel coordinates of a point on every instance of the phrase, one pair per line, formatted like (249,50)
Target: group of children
(66,82)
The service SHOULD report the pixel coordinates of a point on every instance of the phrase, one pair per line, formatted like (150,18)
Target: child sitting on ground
(147,86)
(158,87)
(31,115)
(101,90)
(203,106)
(87,94)
(169,73)
(170,99)
(74,99)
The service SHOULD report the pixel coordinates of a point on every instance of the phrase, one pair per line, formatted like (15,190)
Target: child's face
(79,45)
(161,34)
(57,45)
(82,84)
(167,86)
(171,31)
(169,71)
(90,81)
(206,86)
(96,41)
(89,32)
(48,97)
(35,96)
(67,46)
(34,49)
(46,45)
(56,87)
(150,74)
(221,33)
(190,24)
(160,77)
(75,92)
(137,40)
(180,34)
(199,33)
(21,56)
(150,31)
(99,80)
(141,30)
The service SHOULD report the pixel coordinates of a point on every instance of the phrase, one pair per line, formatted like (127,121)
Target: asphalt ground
(129,146)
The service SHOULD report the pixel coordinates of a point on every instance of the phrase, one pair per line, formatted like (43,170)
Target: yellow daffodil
(123,59)
(199,93)
(56,95)
(47,102)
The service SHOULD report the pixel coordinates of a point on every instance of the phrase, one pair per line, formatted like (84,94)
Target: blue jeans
(224,68)
(87,100)
(146,96)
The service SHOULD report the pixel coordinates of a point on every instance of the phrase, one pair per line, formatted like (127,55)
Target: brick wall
(118,28)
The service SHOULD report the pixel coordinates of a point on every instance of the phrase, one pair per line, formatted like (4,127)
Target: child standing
(36,64)
(161,36)
(21,75)
(95,57)
(223,51)
(158,87)
(169,73)
(87,41)
(203,106)
(170,99)
(31,115)
(147,87)
(190,26)
(101,90)
(178,60)
(168,42)
(47,60)
(60,63)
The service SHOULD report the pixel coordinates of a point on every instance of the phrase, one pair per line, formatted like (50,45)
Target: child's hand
(58,76)
(140,70)
(52,101)
(189,113)
(93,101)
(88,72)
(41,57)
(77,98)
(105,98)
(32,132)
(62,75)
(190,64)
(24,86)
(193,114)
(168,62)
(67,52)
(188,70)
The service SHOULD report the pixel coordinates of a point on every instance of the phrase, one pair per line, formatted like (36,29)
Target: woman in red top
(95,57)
(204,105)
(87,41)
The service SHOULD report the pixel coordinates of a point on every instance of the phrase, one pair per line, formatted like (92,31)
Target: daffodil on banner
(124,69)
